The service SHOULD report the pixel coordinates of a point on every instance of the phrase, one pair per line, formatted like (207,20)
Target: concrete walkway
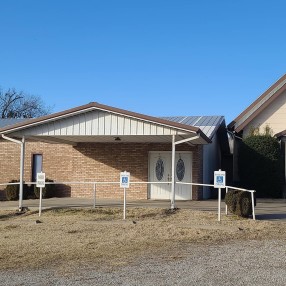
(266,209)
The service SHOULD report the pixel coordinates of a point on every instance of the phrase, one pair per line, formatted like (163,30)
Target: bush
(239,203)
(12,191)
(261,166)
(48,190)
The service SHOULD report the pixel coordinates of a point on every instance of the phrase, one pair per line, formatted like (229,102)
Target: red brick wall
(93,162)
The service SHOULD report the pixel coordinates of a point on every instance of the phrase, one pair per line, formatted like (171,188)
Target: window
(180,169)
(37,164)
(159,169)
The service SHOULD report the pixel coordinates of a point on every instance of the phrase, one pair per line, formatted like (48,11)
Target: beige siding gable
(274,116)
(99,123)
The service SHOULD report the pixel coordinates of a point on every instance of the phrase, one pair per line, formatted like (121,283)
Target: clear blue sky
(157,57)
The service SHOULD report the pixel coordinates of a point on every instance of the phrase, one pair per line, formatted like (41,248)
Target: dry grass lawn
(67,238)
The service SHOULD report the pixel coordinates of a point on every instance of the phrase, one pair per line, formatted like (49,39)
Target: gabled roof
(4,122)
(280,134)
(19,127)
(258,105)
(208,124)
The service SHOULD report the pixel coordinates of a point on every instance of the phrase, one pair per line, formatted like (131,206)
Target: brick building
(95,142)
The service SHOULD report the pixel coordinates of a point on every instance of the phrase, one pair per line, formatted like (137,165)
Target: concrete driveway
(266,209)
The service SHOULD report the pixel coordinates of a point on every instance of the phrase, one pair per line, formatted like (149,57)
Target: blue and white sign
(41,180)
(124,179)
(219,179)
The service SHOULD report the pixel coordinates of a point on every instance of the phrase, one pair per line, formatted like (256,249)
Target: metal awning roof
(208,124)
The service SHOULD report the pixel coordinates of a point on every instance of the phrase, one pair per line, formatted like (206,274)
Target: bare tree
(15,104)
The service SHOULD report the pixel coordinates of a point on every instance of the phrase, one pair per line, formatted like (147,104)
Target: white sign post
(219,182)
(41,182)
(124,183)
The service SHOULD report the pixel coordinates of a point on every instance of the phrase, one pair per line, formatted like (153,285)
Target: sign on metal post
(219,179)
(219,182)
(124,179)
(124,183)
(41,182)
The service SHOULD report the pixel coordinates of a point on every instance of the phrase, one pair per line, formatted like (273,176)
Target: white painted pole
(94,195)
(226,190)
(40,206)
(173,195)
(252,200)
(124,205)
(22,160)
(219,202)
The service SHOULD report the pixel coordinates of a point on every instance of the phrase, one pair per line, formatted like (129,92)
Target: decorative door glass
(180,169)
(159,169)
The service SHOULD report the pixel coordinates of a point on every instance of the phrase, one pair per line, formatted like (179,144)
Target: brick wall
(93,162)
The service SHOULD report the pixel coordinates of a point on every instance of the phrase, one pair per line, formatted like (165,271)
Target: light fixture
(117,139)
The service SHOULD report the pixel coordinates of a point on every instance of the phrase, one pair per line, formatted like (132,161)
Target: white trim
(173,191)
(187,140)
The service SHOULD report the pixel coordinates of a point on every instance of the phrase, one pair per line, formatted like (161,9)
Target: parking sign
(124,179)
(41,180)
(219,179)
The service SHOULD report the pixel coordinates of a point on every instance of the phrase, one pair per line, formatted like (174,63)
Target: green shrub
(244,204)
(260,165)
(12,191)
(239,203)
(231,200)
(48,191)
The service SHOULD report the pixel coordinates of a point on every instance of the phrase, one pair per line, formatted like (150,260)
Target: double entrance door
(160,171)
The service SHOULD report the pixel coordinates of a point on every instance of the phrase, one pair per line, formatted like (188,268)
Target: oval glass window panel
(159,169)
(180,169)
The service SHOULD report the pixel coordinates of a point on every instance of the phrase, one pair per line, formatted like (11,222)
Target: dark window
(180,169)
(37,164)
(159,169)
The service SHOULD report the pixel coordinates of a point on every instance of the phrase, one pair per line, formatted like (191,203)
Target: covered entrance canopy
(95,122)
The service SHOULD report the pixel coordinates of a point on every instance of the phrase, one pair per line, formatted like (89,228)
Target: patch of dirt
(72,237)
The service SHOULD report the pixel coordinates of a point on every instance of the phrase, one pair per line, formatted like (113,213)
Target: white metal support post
(252,202)
(124,204)
(219,203)
(124,183)
(22,161)
(41,199)
(173,173)
(173,186)
(94,195)
(226,210)
(219,183)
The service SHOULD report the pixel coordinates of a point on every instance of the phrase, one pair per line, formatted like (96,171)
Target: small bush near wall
(48,190)
(12,191)
(239,203)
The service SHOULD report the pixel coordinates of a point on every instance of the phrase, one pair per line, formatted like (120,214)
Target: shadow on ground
(279,216)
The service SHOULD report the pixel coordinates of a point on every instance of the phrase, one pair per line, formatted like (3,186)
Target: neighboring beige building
(269,110)
(95,142)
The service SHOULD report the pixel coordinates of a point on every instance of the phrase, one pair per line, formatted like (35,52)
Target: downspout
(174,143)
(235,139)
(22,143)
